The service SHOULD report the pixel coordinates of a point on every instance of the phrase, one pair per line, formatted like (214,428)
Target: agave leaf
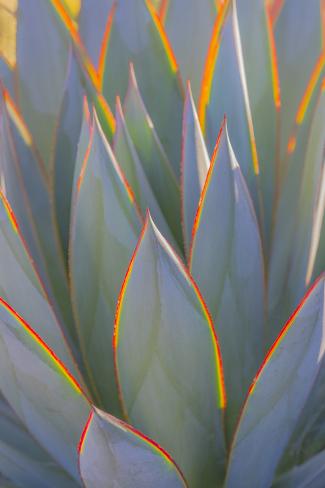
(66,145)
(168,362)
(298,35)
(43,394)
(105,228)
(230,272)
(295,211)
(134,33)
(8,28)
(128,157)
(278,394)
(190,42)
(20,286)
(194,166)
(92,23)
(41,49)
(114,454)
(153,157)
(7,76)
(308,475)
(26,187)
(264,93)
(22,460)
(224,92)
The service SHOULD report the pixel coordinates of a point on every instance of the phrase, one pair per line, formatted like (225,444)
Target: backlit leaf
(168,362)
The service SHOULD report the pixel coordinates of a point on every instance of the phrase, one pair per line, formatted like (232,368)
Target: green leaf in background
(66,146)
(224,92)
(307,475)
(41,49)
(26,186)
(195,163)
(43,394)
(294,212)
(114,454)
(21,287)
(168,361)
(128,158)
(22,460)
(298,35)
(134,34)
(105,228)
(264,94)
(278,394)
(153,157)
(226,260)
(190,42)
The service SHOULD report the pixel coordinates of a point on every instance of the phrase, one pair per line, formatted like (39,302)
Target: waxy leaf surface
(105,228)
(278,394)
(168,362)
(226,261)
(114,454)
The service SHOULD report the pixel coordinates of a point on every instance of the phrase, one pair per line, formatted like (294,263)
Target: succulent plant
(162,243)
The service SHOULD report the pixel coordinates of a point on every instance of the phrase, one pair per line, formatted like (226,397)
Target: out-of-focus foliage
(162,243)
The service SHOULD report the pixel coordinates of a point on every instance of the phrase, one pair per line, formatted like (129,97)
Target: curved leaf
(43,394)
(134,34)
(153,157)
(168,362)
(105,228)
(311,474)
(26,186)
(194,166)
(278,394)
(230,272)
(114,454)
(224,92)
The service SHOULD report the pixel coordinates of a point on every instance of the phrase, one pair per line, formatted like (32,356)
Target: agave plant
(162,243)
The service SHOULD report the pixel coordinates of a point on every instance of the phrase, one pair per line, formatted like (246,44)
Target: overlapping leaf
(227,262)
(153,157)
(224,91)
(194,166)
(168,362)
(190,42)
(105,227)
(128,157)
(307,475)
(278,394)
(40,390)
(134,33)
(296,216)
(114,454)
(26,187)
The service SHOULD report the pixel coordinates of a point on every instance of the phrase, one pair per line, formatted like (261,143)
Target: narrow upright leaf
(278,394)
(105,228)
(134,34)
(190,42)
(168,361)
(194,166)
(114,454)
(153,157)
(224,92)
(230,272)
(45,397)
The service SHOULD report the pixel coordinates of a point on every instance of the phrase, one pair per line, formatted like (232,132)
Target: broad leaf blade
(136,35)
(112,451)
(307,475)
(278,394)
(45,397)
(230,272)
(153,157)
(105,228)
(168,362)
(194,166)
